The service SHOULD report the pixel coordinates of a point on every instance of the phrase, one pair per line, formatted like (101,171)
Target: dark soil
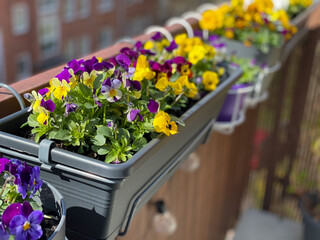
(311,203)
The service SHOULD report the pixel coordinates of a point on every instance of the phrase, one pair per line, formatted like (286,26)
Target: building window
(105,37)
(46,7)
(84,8)
(105,5)
(23,66)
(136,25)
(70,50)
(20,18)
(85,46)
(49,36)
(69,10)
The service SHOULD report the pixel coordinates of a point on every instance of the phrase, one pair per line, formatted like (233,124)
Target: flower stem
(177,99)
(104,114)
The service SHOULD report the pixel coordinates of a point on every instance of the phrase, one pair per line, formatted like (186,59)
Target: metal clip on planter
(14,93)
(181,156)
(182,22)
(260,92)
(238,112)
(160,29)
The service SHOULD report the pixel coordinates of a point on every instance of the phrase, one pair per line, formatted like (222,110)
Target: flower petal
(153,106)
(16,224)
(11,211)
(26,209)
(35,217)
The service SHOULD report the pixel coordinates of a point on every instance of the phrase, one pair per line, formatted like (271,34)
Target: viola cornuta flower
(61,88)
(27,226)
(70,107)
(162,124)
(111,91)
(4,235)
(153,106)
(133,114)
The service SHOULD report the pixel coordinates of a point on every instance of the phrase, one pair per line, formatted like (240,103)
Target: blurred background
(36,35)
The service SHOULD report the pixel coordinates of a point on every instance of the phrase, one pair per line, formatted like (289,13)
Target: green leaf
(62,135)
(52,134)
(124,132)
(178,120)
(88,105)
(99,140)
(86,91)
(98,81)
(139,143)
(115,143)
(148,126)
(104,150)
(113,154)
(105,131)
(32,121)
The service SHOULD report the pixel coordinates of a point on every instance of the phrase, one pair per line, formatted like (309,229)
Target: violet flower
(11,211)
(123,61)
(70,107)
(157,36)
(75,65)
(133,114)
(88,64)
(4,235)
(111,90)
(26,226)
(23,178)
(133,55)
(97,100)
(112,124)
(172,46)
(3,162)
(64,75)
(48,105)
(43,91)
(35,182)
(153,106)
(102,66)
(135,85)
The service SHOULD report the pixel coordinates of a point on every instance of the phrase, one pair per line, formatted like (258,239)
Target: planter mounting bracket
(44,153)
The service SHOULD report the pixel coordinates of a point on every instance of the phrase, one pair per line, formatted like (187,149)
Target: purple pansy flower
(102,66)
(88,64)
(43,91)
(3,162)
(4,235)
(23,179)
(75,65)
(27,226)
(133,114)
(64,75)
(124,61)
(70,107)
(11,211)
(97,100)
(133,55)
(35,182)
(111,90)
(48,105)
(112,124)
(136,85)
(157,36)
(153,106)
(172,46)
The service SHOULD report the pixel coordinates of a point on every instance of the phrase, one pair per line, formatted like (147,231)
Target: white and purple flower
(110,89)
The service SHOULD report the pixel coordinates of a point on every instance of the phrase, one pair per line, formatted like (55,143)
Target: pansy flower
(124,61)
(70,107)
(162,123)
(48,105)
(210,80)
(88,79)
(43,116)
(162,84)
(111,90)
(153,106)
(143,70)
(133,114)
(26,225)
(61,88)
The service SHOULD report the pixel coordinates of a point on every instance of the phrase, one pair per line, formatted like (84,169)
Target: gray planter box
(101,197)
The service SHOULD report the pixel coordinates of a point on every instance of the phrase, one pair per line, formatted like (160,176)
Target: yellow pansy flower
(192,90)
(162,84)
(37,101)
(196,54)
(210,80)
(142,70)
(88,79)
(43,116)
(162,124)
(148,45)
(61,88)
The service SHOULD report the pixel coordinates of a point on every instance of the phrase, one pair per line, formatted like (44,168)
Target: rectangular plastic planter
(101,197)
